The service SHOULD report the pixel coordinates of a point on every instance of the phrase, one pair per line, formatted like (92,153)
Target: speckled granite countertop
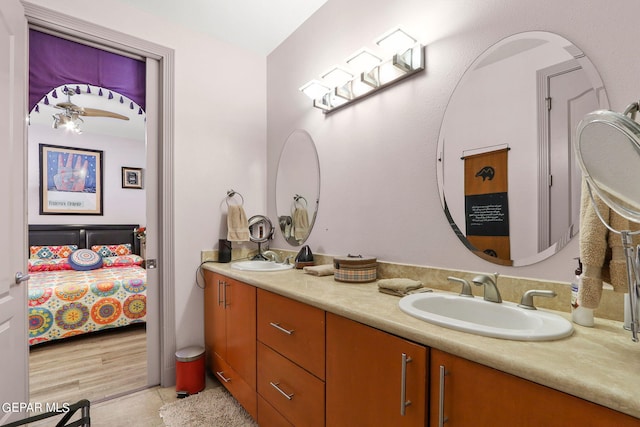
(599,364)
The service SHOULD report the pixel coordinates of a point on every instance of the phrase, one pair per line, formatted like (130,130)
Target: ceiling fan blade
(94,112)
(67,106)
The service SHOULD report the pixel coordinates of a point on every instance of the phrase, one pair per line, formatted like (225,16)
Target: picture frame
(70,181)
(131,177)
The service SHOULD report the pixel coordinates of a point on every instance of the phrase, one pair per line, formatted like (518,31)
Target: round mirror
(608,149)
(260,229)
(508,179)
(297,187)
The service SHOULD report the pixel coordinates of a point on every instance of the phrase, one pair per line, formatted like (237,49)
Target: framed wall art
(70,181)
(131,177)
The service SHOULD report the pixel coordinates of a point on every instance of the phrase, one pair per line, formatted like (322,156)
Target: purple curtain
(54,61)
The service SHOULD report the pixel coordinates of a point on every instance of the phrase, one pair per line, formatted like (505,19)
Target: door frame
(544,77)
(90,32)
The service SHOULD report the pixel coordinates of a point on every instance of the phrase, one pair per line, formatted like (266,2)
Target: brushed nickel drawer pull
(220,284)
(403,387)
(282,392)
(281,329)
(441,417)
(222,377)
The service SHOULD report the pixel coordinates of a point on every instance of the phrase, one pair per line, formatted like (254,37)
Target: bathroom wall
(219,137)
(378,157)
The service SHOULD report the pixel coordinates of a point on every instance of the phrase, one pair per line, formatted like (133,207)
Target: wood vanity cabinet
(371,375)
(230,336)
(469,394)
(291,362)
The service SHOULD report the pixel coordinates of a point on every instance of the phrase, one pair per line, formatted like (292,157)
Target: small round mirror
(608,151)
(297,187)
(260,229)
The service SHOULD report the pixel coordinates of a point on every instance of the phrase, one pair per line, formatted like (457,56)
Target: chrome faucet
(272,256)
(491,292)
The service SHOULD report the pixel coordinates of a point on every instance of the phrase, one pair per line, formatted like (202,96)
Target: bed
(83,279)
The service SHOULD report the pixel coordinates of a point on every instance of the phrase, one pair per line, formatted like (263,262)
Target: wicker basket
(355,269)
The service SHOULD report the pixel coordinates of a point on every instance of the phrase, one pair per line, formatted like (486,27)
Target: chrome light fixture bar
(339,88)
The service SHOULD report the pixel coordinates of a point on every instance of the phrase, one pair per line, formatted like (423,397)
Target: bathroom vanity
(331,353)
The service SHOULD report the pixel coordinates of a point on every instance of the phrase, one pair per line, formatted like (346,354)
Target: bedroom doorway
(106,364)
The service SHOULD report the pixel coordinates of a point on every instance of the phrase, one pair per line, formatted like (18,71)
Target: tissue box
(355,269)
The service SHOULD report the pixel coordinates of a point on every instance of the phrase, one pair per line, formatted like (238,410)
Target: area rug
(212,407)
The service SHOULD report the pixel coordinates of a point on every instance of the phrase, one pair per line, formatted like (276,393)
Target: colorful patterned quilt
(68,302)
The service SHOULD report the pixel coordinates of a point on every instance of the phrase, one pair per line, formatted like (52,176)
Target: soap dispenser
(304,257)
(580,315)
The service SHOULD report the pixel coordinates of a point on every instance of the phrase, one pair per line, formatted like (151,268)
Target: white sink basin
(254,265)
(477,316)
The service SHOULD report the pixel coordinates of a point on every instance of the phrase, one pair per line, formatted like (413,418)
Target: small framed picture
(131,177)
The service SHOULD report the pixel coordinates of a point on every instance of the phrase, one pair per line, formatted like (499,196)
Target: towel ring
(231,194)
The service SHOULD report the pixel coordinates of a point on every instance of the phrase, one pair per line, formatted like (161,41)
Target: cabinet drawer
(269,417)
(294,329)
(233,382)
(292,391)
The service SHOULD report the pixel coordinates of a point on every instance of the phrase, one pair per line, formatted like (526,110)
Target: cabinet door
(471,394)
(214,317)
(371,377)
(240,302)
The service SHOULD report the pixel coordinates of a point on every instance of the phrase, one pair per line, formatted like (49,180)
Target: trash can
(190,377)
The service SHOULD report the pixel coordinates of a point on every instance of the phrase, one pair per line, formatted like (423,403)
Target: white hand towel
(237,224)
(300,223)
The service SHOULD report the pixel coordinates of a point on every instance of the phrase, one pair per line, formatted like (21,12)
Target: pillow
(51,252)
(57,264)
(122,261)
(85,259)
(112,250)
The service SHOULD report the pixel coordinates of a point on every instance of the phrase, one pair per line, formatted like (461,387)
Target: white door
(13,250)
(572,97)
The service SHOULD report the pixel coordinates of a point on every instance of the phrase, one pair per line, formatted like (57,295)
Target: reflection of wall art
(131,177)
(70,181)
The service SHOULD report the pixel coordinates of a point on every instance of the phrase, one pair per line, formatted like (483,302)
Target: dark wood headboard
(84,236)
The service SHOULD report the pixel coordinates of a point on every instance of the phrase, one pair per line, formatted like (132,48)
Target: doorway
(159,174)
(565,95)
(104,353)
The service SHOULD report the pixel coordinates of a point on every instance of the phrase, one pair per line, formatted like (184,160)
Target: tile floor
(140,409)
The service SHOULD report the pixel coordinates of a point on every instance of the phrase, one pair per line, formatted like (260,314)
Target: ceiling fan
(73,110)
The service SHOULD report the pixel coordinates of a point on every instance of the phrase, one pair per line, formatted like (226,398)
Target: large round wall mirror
(508,179)
(297,187)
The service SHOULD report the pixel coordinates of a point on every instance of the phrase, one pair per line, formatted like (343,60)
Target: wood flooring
(94,366)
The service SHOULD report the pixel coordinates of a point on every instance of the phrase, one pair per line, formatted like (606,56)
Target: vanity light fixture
(363,59)
(314,89)
(395,40)
(371,73)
